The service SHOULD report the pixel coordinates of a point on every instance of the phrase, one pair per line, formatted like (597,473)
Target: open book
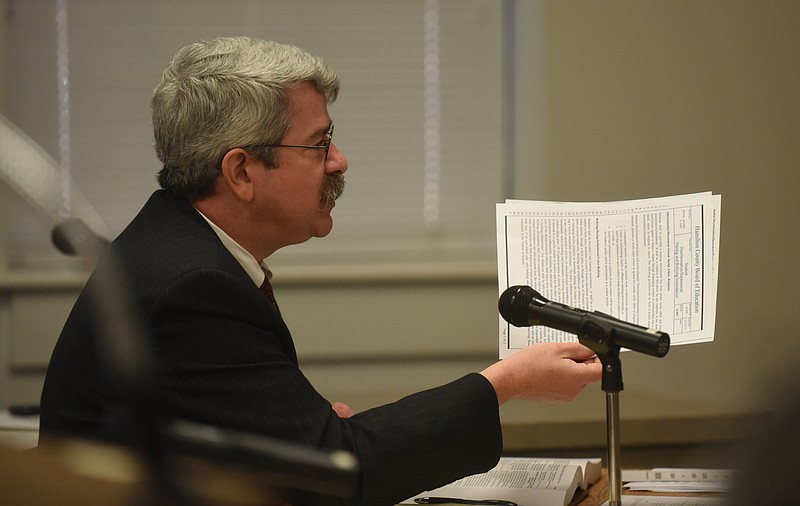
(524,481)
(652,262)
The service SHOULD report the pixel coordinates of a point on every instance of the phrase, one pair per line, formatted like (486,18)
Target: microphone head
(514,303)
(73,237)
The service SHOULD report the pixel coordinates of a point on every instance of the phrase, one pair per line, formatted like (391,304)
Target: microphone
(522,306)
(73,237)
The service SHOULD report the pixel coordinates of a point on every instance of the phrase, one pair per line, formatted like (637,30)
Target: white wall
(669,97)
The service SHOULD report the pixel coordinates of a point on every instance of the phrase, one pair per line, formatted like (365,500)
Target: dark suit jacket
(223,356)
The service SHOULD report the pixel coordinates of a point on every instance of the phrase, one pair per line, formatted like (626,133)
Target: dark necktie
(266,289)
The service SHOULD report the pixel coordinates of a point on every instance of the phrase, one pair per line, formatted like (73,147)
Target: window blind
(118,49)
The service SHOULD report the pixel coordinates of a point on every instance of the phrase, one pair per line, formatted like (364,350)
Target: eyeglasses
(323,144)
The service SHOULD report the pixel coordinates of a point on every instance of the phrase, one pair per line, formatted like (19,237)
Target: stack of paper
(650,262)
(668,480)
(643,500)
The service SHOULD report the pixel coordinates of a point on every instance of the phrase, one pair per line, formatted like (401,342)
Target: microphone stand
(612,386)
(600,339)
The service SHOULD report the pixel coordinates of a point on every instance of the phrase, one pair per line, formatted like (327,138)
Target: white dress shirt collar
(257,271)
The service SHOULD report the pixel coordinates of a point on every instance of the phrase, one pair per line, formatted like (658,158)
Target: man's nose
(336,161)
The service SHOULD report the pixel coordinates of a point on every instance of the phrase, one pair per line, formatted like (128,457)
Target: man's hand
(342,409)
(548,372)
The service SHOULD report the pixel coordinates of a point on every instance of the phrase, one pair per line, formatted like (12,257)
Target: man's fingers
(578,352)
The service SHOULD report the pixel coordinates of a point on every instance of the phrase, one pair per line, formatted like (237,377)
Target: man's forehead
(308,109)
(305,91)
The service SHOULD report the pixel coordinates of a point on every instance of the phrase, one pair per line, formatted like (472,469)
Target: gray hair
(225,93)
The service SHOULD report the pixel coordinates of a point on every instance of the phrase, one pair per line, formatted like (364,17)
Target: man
(243,131)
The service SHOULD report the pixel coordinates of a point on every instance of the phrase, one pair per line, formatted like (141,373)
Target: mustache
(332,188)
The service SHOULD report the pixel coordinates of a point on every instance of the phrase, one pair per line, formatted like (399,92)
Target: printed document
(643,500)
(652,262)
(671,479)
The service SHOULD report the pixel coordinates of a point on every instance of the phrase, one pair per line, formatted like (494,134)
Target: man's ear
(235,176)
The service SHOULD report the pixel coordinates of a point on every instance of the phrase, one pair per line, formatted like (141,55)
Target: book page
(650,262)
(538,481)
